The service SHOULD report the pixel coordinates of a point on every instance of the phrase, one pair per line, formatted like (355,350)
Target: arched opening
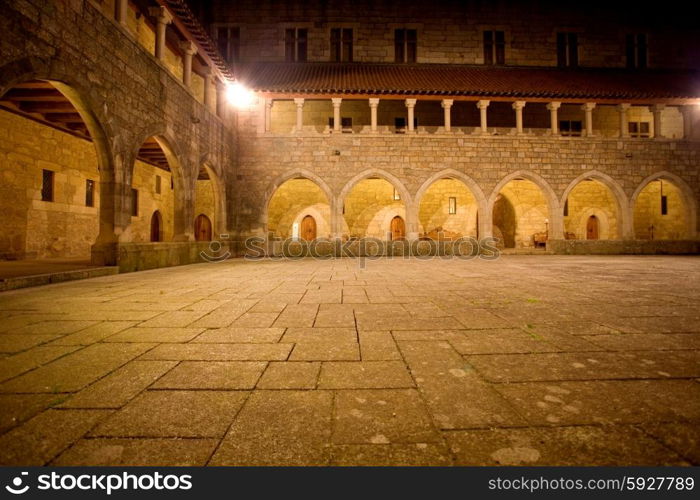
(54,159)
(156,227)
(591,198)
(308,228)
(447,211)
(592,228)
(291,203)
(153,187)
(398,229)
(370,207)
(209,202)
(521,214)
(202,228)
(661,211)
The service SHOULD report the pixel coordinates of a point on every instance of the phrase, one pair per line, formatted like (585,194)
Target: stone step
(46,279)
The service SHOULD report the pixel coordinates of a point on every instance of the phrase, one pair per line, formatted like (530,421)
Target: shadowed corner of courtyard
(527,360)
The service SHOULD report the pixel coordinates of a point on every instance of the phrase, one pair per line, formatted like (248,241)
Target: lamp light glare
(239,96)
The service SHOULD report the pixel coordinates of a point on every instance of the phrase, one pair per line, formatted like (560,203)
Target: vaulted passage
(660,212)
(520,215)
(370,210)
(49,194)
(291,205)
(447,211)
(591,204)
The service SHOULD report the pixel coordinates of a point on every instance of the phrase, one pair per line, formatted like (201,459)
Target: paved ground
(526,360)
(32,267)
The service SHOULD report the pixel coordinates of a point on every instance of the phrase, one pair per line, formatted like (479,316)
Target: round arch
(372,173)
(686,193)
(294,174)
(624,217)
(553,209)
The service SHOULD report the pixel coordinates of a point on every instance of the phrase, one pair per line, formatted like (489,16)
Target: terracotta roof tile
(457,80)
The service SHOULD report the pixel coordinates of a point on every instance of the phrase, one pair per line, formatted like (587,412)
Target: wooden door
(156,224)
(202,228)
(398,229)
(308,228)
(592,228)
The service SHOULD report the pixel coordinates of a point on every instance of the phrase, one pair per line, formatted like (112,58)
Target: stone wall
(591,198)
(434,211)
(369,208)
(647,213)
(295,199)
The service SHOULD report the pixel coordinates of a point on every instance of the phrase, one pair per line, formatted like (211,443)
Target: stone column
(163,18)
(553,108)
(373,105)
(220,99)
(483,105)
(336,219)
(121,9)
(183,210)
(411,221)
(410,105)
(518,107)
(447,106)
(268,114)
(688,113)
(588,113)
(299,101)
(622,109)
(336,113)
(189,49)
(208,94)
(657,109)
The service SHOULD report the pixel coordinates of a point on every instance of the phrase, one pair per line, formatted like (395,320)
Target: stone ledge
(131,257)
(624,247)
(47,279)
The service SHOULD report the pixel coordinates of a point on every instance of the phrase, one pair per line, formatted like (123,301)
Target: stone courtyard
(527,360)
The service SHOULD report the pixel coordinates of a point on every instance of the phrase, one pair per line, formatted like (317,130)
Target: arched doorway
(156,227)
(308,228)
(398,229)
(370,207)
(290,206)
(202,228)
(592,228)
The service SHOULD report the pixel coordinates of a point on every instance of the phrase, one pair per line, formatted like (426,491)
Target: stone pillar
(336,219)
(268,114)
(483,105)
(553,108)
(163,18)
(183,210)
(588,113)
(622,109)
(373,105)
(336,113)
(447,106)
(121,9)
(518,107)
(657,109)
(208,93)
(688,113)
(411,221)
(410,105)
(300,113)
(220,99)
(189,49)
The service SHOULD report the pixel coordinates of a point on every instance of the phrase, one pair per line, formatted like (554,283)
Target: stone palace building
(138,131)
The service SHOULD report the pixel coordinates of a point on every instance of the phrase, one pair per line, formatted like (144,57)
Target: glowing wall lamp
(239,95)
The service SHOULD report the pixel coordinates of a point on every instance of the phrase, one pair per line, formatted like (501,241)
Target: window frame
(494,45)
(296,44)
(342,44)
(48,185)
(405,45)
(89,193)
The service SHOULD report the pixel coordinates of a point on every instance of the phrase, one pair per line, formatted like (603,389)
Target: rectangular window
(89,193)
(158,184)
(397,195)
(567,50)
(664,204)
(636,50)
(494,47)
(341,44)
(405,45)
(638,129)
(47,185)
(295,44)
(228,41)
(452,205)
(570,128)
(134,203)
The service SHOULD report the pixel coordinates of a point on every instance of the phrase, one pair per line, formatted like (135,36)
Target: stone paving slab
(403,362)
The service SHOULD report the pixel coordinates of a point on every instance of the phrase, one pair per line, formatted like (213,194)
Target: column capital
(623,106)
(161,14)
(299,101)
(336,101)
(269,102)
(373,102)
(588,106)
(205,71)
(220,84)
(447,103)
(518,104)
(553,106)
(657,108)
(483,104)
(410,103)
(188,47)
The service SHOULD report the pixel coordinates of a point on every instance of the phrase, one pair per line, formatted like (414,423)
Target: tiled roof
(458,80)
